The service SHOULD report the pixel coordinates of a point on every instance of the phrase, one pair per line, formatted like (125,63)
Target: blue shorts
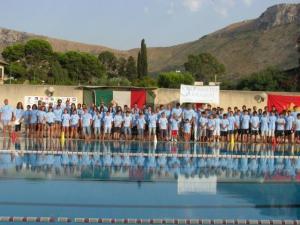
(97,130)
(127,130)
(86,130)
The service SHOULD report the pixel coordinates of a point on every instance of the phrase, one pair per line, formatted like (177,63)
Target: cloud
(193,5)
(248,2)
(221,11)
(170,10)
(222,7)
(146,9)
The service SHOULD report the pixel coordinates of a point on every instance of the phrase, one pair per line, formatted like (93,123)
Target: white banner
(199,94)
(30,100)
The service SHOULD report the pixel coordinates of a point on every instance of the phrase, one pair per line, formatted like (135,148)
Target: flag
(283,102)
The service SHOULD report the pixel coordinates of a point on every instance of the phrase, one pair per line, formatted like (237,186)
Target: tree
(121,67)
(82,67)
(57,74)
(131,71)
(269,79)
(14,53)
(139,66)
(174,79)
(17,70)
(204,67)
(144,59)
(109,61)
(142,63)
(38,49)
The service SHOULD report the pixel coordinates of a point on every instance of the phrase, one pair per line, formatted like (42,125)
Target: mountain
(244,47)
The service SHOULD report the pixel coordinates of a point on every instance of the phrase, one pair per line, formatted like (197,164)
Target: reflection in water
(44,144)
(161,167)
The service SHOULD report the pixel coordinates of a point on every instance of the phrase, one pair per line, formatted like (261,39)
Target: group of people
(189,122)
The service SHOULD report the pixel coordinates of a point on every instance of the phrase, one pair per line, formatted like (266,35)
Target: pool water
(190,181)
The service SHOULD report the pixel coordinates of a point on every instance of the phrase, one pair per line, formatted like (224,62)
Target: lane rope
(146,221)
(143,154)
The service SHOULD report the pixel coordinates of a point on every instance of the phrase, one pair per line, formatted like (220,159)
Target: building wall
(16,92)
(227,97)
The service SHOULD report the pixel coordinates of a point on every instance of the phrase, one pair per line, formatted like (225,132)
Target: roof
(3,62)
(117,87)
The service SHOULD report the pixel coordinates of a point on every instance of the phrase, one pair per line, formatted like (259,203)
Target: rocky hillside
(243,47)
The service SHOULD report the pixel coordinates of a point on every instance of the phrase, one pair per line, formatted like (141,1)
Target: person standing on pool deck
(50,119)
(163,126)
(254,122)
(141,126)
(152,121)
(224,123)
(297,129)
(264,127)
(245,126)
(74,122)
(280,128)
(86,121)
(26,117)
(118,120)
(41,114)
(289,126)
(33,121)
(97,120)
(272,126)
(127,124)
(66,122)
(108,120)
(6,117)
(210,127)
(58,113)
(203,127)
(19,114)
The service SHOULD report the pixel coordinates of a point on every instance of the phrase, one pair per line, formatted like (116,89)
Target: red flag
(283,102)
(138,97)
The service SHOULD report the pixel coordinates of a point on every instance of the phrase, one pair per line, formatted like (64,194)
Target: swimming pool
(141,180)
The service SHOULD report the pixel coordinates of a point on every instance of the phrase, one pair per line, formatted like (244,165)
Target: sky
(121,24)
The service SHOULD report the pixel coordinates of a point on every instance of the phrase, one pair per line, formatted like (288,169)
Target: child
(245,121)
(264,127)
(108,119)
(118,120)
(140,126)
(254,126)
(152,120)
(210,128)
(280,128)
(163,126)
(33,121)
(203,127)
(272,126)
(65,122)
(86,121)
(187,130)
(50,119)
(41,114)
(174,127)
(27,120)
(297,129)
(97,124)
(74,120)
(127,123)
(224,128)
(217,130)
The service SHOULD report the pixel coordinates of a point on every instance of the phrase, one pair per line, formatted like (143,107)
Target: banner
(283,102)
(30,100)
(199,94)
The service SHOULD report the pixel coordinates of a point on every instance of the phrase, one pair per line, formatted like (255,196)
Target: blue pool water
(261,184)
